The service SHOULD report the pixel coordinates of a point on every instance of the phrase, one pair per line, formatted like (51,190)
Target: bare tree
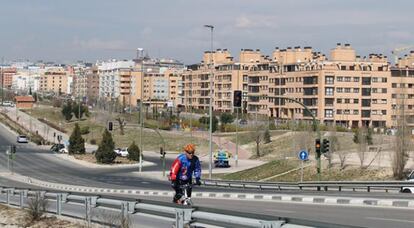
(257,136)
(361,139)
(334,147)
(401,145)
(121,122)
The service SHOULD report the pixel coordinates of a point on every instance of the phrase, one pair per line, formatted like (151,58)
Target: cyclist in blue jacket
(182,170)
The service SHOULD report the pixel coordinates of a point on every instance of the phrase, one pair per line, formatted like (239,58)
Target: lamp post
(210,167)
(141,116)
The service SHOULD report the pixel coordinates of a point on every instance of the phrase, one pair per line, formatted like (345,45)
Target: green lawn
(276,167)
(97,121)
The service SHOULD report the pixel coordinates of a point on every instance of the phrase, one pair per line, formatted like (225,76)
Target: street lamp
(211,27)
(141,116)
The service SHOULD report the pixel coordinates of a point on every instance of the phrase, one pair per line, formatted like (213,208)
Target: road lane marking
(279,211)
(391,220)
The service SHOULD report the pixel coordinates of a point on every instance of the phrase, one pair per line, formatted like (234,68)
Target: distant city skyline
(67,31)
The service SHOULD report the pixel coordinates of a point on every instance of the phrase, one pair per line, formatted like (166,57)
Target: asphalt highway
(40,164)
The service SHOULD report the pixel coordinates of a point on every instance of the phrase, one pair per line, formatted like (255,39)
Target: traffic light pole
(315,128)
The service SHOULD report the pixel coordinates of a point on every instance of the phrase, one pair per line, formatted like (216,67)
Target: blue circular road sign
(303,155)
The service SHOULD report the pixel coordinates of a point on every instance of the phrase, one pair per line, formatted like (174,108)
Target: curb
(343,201)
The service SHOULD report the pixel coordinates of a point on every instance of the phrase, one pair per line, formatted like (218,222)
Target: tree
(206,121)
(266,137)
(67,111)
(121,123)
(133,152)
(76,142)
(257,136)
(80,110)
(105,153)
(226,118)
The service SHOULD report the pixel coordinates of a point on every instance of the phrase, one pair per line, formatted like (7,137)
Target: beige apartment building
(343,89)
(54,80)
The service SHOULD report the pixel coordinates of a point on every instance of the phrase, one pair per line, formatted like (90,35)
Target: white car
(411,179)
(22,139)
(63,151)
(123,152)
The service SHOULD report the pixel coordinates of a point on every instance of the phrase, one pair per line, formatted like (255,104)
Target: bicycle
(185,199)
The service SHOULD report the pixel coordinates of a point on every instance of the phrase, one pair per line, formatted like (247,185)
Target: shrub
(84,130)
(76,142)
(133,152)
(92,141)
(105,153)
(57,103)
(37,207)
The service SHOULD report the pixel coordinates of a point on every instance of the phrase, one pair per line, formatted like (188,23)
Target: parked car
(22,139)
(123,152)
(57,147)
(64,150)
(8,104)
(409,189)
(243,122)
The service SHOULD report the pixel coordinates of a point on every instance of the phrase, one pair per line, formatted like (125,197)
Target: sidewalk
(33,125)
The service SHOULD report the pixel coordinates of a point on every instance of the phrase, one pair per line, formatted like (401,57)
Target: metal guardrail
(367,186)
(182,215)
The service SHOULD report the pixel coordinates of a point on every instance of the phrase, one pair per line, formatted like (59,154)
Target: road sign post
(303,156)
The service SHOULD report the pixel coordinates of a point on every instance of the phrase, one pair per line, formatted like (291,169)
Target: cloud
(98,44)
(244,22)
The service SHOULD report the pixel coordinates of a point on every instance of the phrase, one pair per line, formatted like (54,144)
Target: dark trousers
(179,192)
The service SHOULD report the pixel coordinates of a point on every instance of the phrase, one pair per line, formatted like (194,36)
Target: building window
(356,112)
(339,90)
(383,112)
(347,90)
(343,67)
(329,80)
(384,90)
(356,101)
(328,113)
(366,81)
(339,111)
(339,79)
(356,90)
(356,79)
(347,79)
(347,101)
(339,101)
(329,91)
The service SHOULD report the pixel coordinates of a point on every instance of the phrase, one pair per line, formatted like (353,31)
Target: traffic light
(318,148)
(13,149)
(325,146)
(110,126)
(237,98)
(162,152)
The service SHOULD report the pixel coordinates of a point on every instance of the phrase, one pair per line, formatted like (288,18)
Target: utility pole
(141,116)
(210,166)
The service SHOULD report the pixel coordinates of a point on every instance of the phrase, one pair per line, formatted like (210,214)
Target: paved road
(38,164)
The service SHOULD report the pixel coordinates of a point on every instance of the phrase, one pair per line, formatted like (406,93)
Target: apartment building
(228,76)
(6,76)
(343,89)
(111,75)
(56,80)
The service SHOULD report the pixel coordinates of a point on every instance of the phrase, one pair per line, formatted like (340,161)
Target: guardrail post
(131,207)
(21,198)
(369,188)
(8,193)
(182,217)
(88,205)
(339,188)
(59,204)
(326,188)
(124,211)
(272,224)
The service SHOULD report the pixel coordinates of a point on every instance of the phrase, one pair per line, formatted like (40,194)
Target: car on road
(64,150)
(221,159)
(57,147)
(409,189)
(22,139)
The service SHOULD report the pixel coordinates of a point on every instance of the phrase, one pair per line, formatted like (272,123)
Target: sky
(90,30)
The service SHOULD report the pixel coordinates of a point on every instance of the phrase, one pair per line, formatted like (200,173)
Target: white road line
(280,211)
(391,220)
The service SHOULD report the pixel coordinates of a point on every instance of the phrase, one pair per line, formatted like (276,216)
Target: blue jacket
(182,168)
